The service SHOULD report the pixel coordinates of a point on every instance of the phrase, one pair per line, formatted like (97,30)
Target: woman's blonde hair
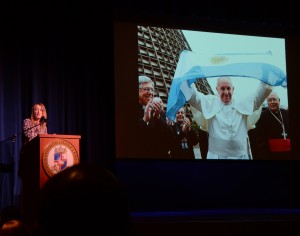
(43,110)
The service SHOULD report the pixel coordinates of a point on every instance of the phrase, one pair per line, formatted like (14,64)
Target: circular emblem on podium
(59,155)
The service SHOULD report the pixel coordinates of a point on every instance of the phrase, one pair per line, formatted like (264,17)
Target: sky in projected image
(216,43)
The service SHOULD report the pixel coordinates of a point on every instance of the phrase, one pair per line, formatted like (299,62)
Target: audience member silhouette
(15,227)
(86,199)
(8,213)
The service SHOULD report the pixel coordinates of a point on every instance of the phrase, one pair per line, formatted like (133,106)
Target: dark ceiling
(283,17)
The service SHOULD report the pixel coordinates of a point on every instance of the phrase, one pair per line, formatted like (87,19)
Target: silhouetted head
(15,227)
(84,198)
(9,213)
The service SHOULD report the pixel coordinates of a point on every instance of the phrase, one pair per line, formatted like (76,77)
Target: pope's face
(225,90)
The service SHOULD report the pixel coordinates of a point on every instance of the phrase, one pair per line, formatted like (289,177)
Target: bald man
(271,138)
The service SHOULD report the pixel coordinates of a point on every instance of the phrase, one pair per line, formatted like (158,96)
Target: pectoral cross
(284,134)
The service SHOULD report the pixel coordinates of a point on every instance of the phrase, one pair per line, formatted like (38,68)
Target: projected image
(212,96)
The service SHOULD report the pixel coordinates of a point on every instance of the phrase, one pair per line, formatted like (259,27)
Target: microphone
(43,120)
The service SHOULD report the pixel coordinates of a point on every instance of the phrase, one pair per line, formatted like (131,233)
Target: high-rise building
(158,54)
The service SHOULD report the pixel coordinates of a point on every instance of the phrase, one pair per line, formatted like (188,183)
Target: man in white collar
(227,120)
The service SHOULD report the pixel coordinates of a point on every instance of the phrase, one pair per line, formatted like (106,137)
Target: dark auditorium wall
(61,54)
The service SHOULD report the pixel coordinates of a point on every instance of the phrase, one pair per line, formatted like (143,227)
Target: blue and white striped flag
(192,66)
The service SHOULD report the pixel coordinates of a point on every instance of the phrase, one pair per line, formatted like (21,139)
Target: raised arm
(262,92)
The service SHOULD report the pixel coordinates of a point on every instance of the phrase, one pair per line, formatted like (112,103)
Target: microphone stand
(32,127)
(9,167)
(13,137)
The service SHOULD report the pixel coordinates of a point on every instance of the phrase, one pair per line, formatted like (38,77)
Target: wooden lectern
(41,158)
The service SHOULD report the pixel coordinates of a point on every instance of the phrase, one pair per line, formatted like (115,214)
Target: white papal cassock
(227,125)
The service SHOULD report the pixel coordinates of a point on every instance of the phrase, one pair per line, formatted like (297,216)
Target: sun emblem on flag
(219,59)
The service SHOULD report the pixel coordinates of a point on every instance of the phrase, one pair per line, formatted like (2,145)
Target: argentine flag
(192,66)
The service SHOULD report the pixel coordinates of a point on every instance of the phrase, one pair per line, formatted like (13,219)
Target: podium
(40,159)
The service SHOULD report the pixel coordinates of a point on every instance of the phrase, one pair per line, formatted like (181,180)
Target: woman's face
(180,115)
(37,112)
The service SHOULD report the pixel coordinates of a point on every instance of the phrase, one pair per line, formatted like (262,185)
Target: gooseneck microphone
(43,120)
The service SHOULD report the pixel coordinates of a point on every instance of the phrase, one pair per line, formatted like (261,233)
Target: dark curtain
(64,61)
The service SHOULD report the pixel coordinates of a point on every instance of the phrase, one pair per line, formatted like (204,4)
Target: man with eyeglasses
(154,135)
(271,138)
